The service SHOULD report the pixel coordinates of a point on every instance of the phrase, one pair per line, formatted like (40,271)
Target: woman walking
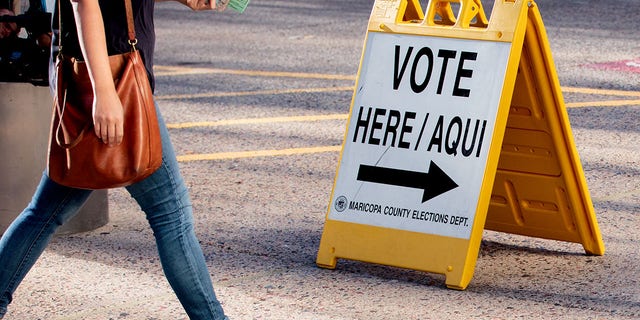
(93,30)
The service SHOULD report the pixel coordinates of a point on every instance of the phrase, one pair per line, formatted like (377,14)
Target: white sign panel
(417,143)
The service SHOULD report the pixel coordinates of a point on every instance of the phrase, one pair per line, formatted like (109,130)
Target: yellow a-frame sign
(457,124)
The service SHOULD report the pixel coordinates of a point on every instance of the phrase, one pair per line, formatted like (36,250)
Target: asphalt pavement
(257,106)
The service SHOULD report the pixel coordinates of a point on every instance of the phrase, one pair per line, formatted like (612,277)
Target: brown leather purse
(77,157)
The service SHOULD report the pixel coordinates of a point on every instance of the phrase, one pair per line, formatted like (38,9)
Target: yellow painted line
(176,71)
(604,103)
(601,103)
(230,122)
(251,93)
(344,116)
(257,153)
(604,92)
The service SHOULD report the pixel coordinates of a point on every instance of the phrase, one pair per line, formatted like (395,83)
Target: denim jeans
(163,197)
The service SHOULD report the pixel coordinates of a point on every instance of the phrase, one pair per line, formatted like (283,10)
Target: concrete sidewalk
(260,231)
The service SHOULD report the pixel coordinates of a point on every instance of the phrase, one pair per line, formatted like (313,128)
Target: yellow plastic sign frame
(533,183)
(540,189)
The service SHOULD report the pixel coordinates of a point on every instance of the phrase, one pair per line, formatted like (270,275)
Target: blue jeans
(163,197)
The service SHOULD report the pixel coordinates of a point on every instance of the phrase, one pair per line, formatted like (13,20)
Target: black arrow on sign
(434,183)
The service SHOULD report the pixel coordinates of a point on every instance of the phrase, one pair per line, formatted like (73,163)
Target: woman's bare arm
(107,108)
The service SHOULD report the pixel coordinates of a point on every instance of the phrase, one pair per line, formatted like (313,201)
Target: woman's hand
(108,117)
(198,5)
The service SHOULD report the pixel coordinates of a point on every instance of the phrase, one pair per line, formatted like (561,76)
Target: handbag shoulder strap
(131,30)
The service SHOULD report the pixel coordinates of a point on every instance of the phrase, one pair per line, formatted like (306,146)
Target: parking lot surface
(257,107)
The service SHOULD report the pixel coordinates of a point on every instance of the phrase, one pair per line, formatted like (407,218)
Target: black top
(115,25)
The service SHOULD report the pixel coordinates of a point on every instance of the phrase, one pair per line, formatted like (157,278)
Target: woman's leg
(26,238)
(164,198)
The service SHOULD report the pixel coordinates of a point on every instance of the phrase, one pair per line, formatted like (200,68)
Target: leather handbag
(77,157)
